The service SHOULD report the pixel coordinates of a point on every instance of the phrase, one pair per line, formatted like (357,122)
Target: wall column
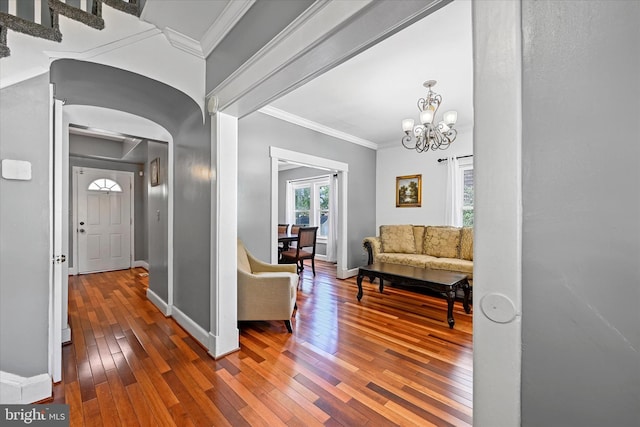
(224,335)
(497,275)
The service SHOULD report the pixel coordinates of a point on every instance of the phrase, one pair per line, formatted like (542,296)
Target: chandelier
(427,135)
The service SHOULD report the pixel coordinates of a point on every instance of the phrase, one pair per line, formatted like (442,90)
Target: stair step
(39,18)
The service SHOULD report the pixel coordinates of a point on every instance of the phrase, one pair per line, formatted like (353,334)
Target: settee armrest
(373,246)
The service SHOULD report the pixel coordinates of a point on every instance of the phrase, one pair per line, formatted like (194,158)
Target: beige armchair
(265,291)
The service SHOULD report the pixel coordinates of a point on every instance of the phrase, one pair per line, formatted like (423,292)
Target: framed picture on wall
(155,171)
(409,191)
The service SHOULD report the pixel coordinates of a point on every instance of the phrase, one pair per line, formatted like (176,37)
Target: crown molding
(300,121)
(107,47)
(184,43)
(233,11)
(286,35)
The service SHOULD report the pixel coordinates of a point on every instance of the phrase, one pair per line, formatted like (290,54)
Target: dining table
(286,239)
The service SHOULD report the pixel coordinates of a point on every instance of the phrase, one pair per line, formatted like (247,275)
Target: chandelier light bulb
(407,125)
(450,118)
(426,116)
(427,136)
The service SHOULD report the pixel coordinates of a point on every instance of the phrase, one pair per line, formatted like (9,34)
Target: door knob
(81,222)
(81,230)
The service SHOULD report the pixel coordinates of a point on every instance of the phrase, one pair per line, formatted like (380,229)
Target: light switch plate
(16,169)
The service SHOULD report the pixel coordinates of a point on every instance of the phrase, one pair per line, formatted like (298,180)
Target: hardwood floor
(388,360)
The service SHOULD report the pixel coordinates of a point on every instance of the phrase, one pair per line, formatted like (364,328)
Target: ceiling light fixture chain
(427,135)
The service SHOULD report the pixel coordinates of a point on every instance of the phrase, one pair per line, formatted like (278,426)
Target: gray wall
(297,173)
(87,83)
(139,201)
(83,145)
(24,229)
(581,235)
(157,216)
(256,133)
(193,218)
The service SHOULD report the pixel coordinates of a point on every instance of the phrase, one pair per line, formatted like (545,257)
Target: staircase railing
(39,18)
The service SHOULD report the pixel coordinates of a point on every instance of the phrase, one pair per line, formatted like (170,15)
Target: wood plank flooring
(388,360)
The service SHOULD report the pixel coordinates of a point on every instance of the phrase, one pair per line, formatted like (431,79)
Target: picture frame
(409,191)
(154,172)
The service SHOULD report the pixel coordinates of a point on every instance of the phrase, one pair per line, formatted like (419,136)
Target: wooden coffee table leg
(381,284)
(465,302)
(451,296)
(359,281)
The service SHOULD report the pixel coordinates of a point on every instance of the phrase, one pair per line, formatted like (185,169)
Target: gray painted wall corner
(157,219)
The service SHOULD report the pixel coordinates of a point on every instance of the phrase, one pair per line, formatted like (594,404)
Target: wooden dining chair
(305,249)
(283,228)
(294,230)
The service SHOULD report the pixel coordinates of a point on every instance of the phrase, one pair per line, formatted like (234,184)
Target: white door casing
(103,221)
(277,154)
(57,257)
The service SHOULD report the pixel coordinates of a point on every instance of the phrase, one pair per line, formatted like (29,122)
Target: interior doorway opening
(279,155)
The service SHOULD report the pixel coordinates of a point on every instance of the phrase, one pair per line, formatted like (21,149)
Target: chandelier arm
(421,104)
(437,139)
(437,100)
(407,139)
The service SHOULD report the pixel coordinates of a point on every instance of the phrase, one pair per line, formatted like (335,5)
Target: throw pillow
(442,242)
(397,239)
(466,243)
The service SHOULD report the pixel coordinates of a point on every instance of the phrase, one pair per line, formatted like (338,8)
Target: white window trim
(314,212)
(114,186)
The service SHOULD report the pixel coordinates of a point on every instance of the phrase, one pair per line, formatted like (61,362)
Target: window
(467,194)
(310,205)
(104,184)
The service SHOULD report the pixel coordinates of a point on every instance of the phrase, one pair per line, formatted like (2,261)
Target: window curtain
(453,203)
(288,205)
(332,237)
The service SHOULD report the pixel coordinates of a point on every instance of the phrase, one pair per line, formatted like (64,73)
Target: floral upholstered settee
(436,247)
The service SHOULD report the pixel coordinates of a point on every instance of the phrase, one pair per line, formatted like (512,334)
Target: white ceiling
(189,17)
(367,96)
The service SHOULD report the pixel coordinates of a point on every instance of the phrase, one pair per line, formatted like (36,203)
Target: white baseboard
(190,326)
(66,334)
(345,274)
(141,263)
(72,271)
(158,302)
(15,389)
(220,346)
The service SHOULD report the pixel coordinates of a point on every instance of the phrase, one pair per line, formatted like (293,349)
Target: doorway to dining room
(330,167)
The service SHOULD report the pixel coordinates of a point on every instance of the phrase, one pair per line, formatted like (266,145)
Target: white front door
(104,220)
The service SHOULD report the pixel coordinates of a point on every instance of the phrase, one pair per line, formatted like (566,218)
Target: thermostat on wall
(16,169)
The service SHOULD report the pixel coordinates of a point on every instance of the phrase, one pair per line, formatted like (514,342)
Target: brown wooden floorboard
(389,360)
